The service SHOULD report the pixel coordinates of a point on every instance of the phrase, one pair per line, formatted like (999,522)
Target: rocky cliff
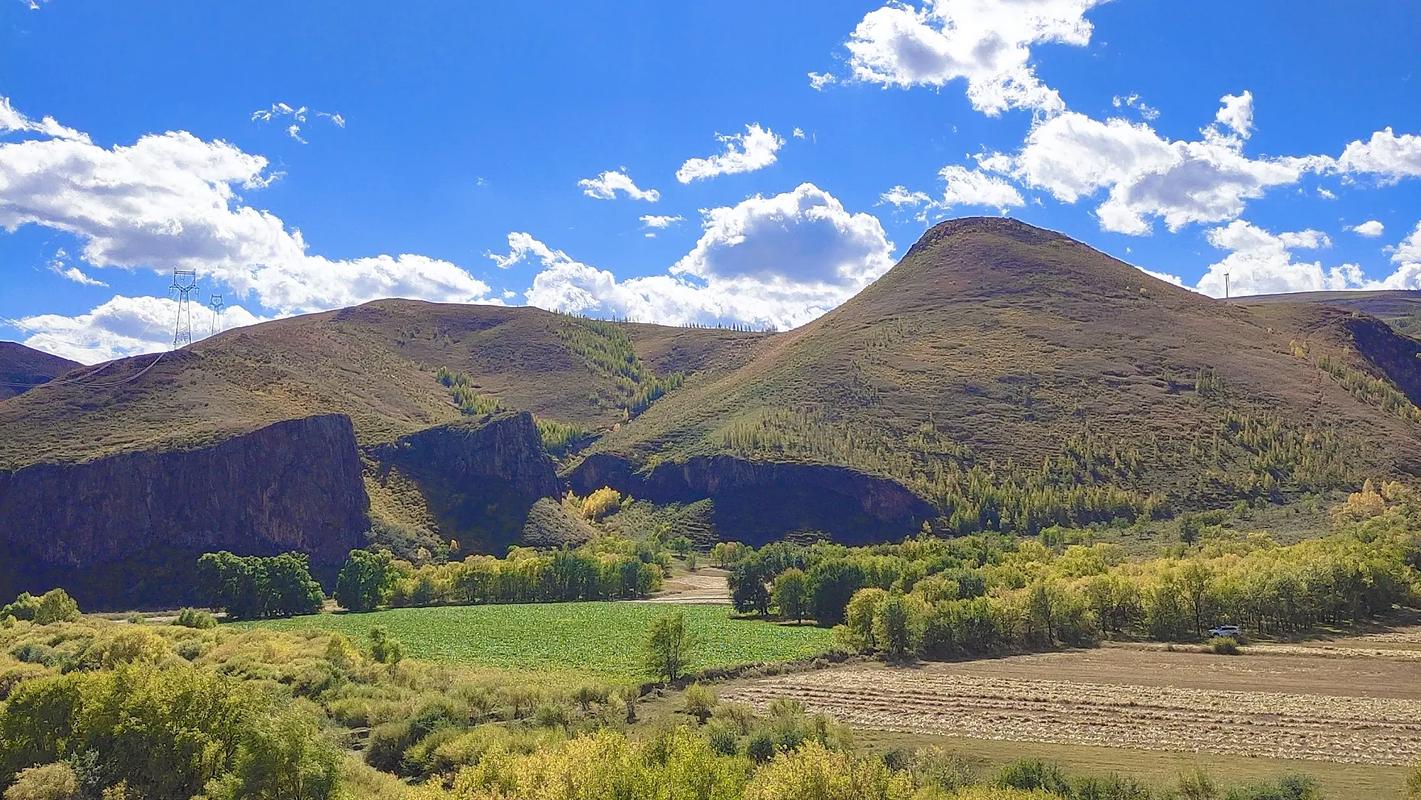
(479,478)
(127,530)
(757,502)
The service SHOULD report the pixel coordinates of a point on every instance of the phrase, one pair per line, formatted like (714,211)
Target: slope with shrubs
(1018,379)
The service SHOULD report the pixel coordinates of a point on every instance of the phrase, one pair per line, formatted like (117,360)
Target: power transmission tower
(184,287)
(218,308)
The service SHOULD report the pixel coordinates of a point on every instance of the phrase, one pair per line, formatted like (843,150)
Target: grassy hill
(1399,308)
(1001,376)
(23,368)
(1003,369)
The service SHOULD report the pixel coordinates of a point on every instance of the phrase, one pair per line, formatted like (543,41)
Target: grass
(600,638)
(1338,781)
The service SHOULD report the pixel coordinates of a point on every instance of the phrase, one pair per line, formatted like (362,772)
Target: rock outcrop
(479,477)
(126,530)
(758,502)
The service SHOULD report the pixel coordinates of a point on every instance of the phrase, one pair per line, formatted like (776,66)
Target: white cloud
(12,121)
(1073,156)
(660,221)
(606,186)
(1407,257)
(818,80)
(71,273)
(987,43)
(171,200)
(1164,276)
(1236,113)
(1371,229)
(900,197)
(297,118)
(1260,262)
(970,187)
(797,133)
(1146,111)
(779,261)
(122,326)
(744,152)
(1386,155)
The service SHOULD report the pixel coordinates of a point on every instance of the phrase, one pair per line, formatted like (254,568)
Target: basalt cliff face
(127,530)
(479,478)
(758,502)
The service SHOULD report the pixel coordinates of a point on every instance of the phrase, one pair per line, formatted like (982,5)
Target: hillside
(1399,308)
(999,377)
(1013,377)
(23,368)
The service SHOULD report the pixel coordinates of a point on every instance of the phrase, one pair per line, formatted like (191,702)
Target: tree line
(990,593)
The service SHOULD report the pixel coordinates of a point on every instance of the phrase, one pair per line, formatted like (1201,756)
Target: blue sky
(461,152)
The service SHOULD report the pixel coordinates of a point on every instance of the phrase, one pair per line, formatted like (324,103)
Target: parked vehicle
(1230,631)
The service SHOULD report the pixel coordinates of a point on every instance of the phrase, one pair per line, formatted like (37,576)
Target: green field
(601,638)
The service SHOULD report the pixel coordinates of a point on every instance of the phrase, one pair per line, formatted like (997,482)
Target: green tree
(56,605)
(669,644)
(898,623)
(831,583)
(747,588)
(791,594)
(366,580)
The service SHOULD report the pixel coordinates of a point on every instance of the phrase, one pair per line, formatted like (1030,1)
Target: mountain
(1000,376)
(1399,308)
(23,368)
(1013,377)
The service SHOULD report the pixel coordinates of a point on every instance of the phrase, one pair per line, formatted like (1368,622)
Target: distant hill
(23,368)
(1399,308)
(1000,376)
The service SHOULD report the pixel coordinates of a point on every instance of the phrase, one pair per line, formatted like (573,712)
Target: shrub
(1289,787)
(700,701)
(1033,774)
(48,782)
(23,607)
(1224,645)
(195,618)
(56,605)
(385,648)
(723,737)
(761,747)
(600,503)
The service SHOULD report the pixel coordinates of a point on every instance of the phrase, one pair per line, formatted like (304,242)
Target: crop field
(601,638)
(1359,708)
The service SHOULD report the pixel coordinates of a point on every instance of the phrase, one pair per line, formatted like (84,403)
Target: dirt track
(1364,710)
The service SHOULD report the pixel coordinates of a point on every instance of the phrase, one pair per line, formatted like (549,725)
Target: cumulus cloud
(773,261)
(12,121)
(961,187)
(122,326)
(606,186)
(295,118)
(1260,262)
(1385,155)
(986,43)
(1145,175)
(1371,229)
(754,149)
(1407,257)
(171,200)
(818,80)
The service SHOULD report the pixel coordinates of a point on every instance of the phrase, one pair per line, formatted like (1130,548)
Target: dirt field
(1360,708)
(707,585)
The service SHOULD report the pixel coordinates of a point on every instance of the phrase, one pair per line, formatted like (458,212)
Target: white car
(1231,631)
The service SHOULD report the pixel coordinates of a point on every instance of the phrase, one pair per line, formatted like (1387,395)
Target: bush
(56,605)
(385,648)
(49,782)
(761,747)
(1288,787)
(1033,774)
(723,737)
(700,701)
(601,503)
(1224,645)
(195,618)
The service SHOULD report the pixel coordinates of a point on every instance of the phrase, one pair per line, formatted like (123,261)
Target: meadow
(601,638)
